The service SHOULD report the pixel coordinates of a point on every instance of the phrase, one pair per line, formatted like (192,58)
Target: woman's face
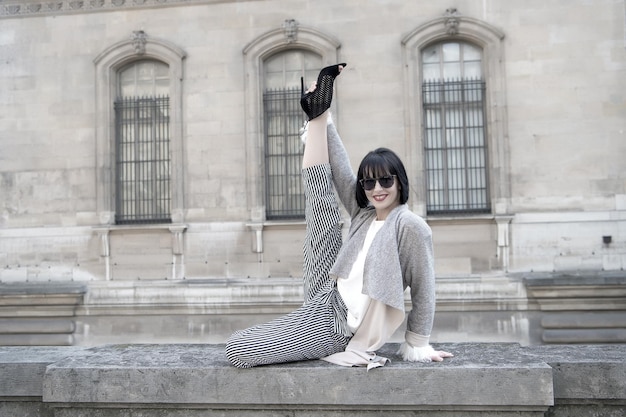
(383,197)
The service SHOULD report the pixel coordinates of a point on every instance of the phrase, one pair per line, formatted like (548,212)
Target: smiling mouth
(379,197)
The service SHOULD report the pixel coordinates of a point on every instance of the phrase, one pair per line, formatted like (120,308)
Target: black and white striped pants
(317,329)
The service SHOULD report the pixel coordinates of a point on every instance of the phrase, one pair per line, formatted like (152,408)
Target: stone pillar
(178,251)
(503,223)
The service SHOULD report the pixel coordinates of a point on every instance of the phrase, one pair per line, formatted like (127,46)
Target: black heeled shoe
(318,101)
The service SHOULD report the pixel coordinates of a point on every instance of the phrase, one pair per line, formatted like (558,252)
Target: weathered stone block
(589,381)
(495,378)
(22,368)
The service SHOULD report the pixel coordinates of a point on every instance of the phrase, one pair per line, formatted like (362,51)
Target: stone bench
(196,380)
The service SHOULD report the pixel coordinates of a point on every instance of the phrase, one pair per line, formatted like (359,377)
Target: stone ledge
(196,380)
(43,288)
(480,375)
(590,372)
(22,368)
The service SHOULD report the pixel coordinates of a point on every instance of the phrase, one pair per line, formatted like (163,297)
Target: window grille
(283,154)
(142,160)
(455,146)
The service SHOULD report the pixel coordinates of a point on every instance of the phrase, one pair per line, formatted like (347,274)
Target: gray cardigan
(401,254)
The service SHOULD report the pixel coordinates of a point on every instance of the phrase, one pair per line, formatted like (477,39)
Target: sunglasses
(369,184)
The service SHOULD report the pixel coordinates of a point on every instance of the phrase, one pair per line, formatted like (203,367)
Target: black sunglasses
(370,183)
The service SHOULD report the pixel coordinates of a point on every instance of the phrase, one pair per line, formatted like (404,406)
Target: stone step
(584,336)
(36,339)
(40,325)
(583,320)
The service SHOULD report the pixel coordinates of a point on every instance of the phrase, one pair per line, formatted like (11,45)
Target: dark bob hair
(378,163)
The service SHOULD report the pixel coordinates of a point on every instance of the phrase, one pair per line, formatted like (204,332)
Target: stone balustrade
(196,380)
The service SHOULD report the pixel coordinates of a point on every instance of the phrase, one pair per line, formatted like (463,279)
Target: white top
(351,288)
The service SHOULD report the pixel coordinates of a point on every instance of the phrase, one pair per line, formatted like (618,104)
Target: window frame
(255,53)
(461,188)
(490,40)
(142,167)
(107,65)
(283,155)
(282,119)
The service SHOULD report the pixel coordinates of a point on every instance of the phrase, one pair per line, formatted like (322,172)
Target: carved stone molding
(452,21)
(29,8)
(139,41)
(290,27)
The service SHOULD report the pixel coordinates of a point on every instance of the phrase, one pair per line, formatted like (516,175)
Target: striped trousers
(316,329)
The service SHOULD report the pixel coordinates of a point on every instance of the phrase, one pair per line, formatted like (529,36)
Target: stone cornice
(31,8)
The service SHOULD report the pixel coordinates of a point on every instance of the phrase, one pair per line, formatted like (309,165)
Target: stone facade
(555,115)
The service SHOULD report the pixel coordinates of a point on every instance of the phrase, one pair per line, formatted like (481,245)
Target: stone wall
(498,380)
(555,76)
(556,83)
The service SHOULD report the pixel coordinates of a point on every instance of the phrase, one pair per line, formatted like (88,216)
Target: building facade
(150,150)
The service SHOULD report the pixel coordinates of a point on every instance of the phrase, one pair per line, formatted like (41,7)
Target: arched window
(142,144)
(454,130)
(274,62)
(283,119)
(139,132)
(458,131)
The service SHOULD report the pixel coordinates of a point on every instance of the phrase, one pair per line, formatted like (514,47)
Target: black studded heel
(316,102)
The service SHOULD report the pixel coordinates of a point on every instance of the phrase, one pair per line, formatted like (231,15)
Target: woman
(354,293)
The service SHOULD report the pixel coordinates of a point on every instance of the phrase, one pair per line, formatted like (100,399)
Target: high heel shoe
(316,102)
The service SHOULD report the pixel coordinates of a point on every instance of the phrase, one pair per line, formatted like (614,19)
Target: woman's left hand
(439,355)
(422,354)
